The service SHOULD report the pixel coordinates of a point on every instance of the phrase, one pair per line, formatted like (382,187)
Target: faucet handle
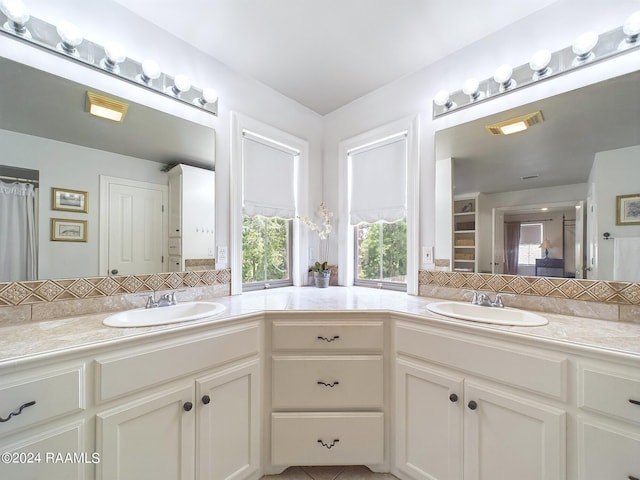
(498,301)
(151,299)
(474,298)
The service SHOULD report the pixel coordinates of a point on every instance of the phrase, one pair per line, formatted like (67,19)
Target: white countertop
(33,340)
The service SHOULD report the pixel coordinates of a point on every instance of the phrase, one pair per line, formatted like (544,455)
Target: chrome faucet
(484,299)
(151,300)
(165,300)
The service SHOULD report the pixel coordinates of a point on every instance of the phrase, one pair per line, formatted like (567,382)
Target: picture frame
(628,209)
(68,230)
(67,200)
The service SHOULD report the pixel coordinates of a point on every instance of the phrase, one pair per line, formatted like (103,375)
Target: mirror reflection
(540,201)
(90,175)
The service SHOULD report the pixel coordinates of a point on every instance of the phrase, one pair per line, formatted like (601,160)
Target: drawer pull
(328,446)
(631,477)
(329,340)
(18,412)
(635,402)
(328,384)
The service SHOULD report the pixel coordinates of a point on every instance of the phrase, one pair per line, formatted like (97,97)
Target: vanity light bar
(589,48)
(111,60)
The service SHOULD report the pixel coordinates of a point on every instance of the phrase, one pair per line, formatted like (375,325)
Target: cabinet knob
(472,405)
(453,397)
(114,271)
(206,399)
(187,406)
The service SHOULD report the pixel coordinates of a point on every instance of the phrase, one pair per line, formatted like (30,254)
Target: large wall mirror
(46,133)
(551,192)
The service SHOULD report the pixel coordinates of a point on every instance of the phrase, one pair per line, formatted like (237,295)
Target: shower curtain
(17,232)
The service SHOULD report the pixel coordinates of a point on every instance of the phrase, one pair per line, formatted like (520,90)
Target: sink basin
(146,317)
(493,315)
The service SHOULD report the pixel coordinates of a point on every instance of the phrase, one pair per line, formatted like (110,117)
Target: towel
(626,259)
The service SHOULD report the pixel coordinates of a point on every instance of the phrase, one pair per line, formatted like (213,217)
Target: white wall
(554,27)
(104,20)
(55,160)
(614,172)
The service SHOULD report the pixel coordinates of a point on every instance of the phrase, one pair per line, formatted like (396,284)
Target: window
(265,252)
(381,254)
(530,240)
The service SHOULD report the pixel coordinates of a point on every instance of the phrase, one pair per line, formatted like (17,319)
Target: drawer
(327,382)
(54,393)
(327,438)
(175,246)
(327,336)
(610,393)
(606,453)
(534,370)
(139,369)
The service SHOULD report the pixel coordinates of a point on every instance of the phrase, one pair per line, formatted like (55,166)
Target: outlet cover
(223,257)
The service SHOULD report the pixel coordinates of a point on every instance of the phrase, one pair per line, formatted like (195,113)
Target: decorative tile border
(624,293)
(28,293)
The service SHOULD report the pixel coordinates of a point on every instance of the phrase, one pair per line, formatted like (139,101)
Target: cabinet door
(428,422)
(509,437)
(45,455)
(228,423)
(152,437)
(175,205)
(607,453)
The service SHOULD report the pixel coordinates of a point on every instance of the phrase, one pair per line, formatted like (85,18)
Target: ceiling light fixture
(105,107)
(471,87)
(114,54)
(70,38)
(503,77)
(150,72)
(17,17)
(181,84)
(631,30)
(209,95)
(539,63)
(515,125)
(583,47)
(442,99)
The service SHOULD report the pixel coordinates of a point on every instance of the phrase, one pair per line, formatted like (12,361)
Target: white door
(498,242)
(228,405)
(133,230)
(429,423)
(507,437)
(152,438)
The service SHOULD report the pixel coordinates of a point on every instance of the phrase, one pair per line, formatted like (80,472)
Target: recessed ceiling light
(105,107)
(514,125)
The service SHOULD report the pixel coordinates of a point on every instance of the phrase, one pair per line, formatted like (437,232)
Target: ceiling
(561,150)
(325,54)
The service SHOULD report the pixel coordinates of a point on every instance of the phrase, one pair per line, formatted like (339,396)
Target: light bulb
(502,76)
(181,84)
(150,72)
(583,46)
(442,99)
(70,37)
(631,29)
(539,63)
(471,87)
(209,95)
(17,16)
(114,54)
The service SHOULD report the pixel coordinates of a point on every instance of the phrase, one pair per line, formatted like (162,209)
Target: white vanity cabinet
(42,423)
(476,410)
(327,392)
(609,421)
(185,410)
(191,215)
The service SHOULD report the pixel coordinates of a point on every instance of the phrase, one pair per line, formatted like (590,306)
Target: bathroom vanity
(288,378)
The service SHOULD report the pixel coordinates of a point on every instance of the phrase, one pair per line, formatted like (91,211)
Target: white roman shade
(378,177)
(531,234)
(268,178)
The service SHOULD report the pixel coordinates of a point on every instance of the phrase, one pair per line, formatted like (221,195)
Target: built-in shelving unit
(465,216)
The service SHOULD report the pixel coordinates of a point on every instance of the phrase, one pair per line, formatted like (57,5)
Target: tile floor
(329,473)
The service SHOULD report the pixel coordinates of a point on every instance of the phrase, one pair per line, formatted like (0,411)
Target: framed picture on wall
(69,200)
(628,209)
(65,230)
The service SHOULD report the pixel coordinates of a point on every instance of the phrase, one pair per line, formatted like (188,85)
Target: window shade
(268,178)
(379,182)
(531,234)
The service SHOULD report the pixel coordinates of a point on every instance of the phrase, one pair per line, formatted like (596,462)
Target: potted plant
(321,271)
